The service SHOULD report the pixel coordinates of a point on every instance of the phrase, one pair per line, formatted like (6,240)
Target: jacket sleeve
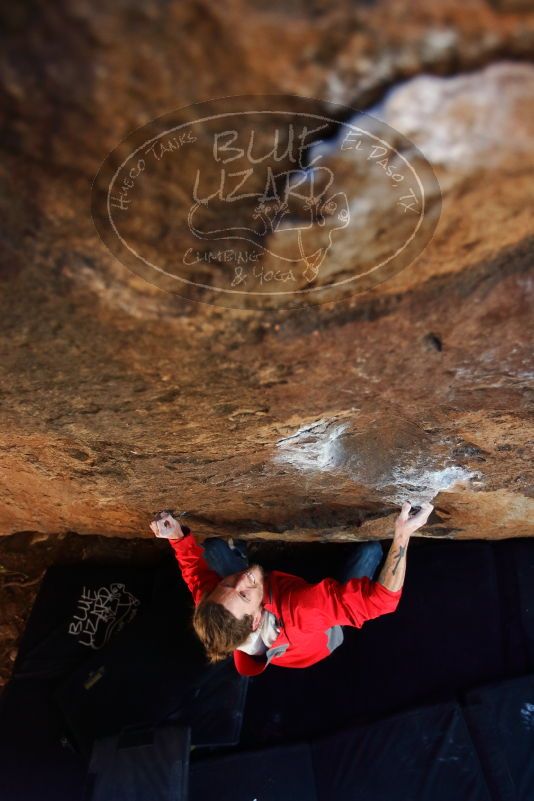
(331,603)
(196,572)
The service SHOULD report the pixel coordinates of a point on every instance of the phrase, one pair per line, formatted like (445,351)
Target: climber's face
(242,593)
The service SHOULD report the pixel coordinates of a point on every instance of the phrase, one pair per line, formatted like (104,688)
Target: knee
(215,545)
(373,549)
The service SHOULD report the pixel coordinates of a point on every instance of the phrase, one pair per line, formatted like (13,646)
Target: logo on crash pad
(102,612)
(266,201)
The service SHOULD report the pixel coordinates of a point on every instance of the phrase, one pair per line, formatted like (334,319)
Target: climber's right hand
(164,525)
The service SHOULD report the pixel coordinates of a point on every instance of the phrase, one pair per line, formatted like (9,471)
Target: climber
(273,617)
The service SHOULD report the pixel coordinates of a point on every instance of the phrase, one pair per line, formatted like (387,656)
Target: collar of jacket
(246,664)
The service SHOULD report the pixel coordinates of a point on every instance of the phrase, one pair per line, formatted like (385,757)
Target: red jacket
(310,616)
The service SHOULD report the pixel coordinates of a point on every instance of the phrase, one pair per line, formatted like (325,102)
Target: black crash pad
(147,764)
(272,774)
(423,755)
(501,719)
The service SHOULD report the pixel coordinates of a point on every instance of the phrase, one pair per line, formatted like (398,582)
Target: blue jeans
(224,559)
(363,561)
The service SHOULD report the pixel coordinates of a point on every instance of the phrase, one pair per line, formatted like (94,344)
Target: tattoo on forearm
(398,557)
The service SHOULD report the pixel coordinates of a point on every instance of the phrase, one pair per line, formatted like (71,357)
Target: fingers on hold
(424,514)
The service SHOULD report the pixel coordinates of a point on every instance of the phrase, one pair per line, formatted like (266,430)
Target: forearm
(392,574)
(196,572)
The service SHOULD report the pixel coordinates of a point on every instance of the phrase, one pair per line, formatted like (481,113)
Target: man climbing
(273,617)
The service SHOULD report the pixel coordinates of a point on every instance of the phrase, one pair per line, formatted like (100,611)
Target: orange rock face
(120,398)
